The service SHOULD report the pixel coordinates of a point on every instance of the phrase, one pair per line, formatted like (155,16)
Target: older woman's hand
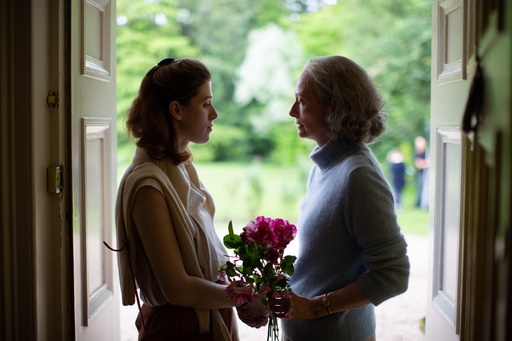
(280,305)
(296,307)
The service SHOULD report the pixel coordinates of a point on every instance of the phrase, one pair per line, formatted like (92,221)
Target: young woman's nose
(213,113)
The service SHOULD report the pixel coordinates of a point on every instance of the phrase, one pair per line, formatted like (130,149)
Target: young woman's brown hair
(149,119)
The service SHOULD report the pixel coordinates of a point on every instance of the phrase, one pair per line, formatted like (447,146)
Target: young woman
(164,213)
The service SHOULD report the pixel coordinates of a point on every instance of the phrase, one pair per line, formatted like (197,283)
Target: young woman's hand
(253,314)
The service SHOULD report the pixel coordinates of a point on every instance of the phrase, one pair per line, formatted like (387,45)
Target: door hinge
(53,100)
(54,175)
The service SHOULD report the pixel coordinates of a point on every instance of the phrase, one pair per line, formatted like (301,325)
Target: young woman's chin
(203,140)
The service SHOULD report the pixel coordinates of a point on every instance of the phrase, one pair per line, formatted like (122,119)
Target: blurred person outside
(421,164)
(397,171)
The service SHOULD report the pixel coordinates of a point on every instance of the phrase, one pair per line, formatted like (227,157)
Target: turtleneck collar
(333,152)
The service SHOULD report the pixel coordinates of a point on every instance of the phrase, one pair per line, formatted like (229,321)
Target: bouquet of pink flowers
(259,264)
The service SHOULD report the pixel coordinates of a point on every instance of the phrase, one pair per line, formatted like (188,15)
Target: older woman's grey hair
(355,113)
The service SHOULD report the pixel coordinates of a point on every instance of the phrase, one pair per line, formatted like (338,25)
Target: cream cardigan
(192,211)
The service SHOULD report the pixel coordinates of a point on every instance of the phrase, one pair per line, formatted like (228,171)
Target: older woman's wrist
(318,308)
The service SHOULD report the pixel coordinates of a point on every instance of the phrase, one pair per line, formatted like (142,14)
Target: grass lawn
(244,191)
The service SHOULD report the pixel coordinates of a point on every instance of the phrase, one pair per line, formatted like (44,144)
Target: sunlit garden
(254,163)
(244,191)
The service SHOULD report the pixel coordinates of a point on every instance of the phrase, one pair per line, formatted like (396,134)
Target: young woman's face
(194,121)
(309,113)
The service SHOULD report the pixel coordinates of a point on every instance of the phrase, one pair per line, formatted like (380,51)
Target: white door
(470,233)
(93,143)
(449,89)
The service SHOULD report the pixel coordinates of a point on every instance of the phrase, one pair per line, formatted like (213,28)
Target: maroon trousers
(173,323)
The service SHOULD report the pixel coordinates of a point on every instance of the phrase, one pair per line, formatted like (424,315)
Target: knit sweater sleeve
(371,221)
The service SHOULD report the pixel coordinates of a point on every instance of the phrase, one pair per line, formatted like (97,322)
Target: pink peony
(264,289)
(259,232)
(284,232)
(281,295)
(221,277)
(239,291)
(280,278)
(272,256)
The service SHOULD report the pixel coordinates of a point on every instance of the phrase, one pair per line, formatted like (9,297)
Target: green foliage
(229,186)
(393,46)
(226,143)
(319,39)
(282,188)
(147,32)
(289,148)
(256,50)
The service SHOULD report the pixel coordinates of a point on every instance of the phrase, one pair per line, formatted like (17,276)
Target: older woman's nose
(293,110)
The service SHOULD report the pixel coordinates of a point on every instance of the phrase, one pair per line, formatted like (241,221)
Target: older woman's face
(309,113)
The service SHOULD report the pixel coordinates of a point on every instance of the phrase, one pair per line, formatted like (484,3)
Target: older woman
(352,255)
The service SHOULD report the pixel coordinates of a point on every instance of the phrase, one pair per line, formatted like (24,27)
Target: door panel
(447,226)
(93,139)
(449,92)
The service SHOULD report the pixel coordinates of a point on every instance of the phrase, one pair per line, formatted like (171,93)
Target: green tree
(220,30)
(391,40)
(402,38)
(147,32)
(265,83)
(255,65)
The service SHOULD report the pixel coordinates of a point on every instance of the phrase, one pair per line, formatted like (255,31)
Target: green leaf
(232,241)
(230,228)
(230,269)
(287,265)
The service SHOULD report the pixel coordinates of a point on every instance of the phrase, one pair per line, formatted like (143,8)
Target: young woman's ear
(175,109)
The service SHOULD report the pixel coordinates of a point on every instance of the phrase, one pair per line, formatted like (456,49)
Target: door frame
(35,239)
(18,291)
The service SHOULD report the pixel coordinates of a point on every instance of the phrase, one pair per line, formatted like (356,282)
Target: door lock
(54,179)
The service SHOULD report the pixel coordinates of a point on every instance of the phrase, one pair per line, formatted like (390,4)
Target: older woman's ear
(175,110)
(332,104)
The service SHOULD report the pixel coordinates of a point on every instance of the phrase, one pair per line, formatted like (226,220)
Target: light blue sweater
(347,231)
